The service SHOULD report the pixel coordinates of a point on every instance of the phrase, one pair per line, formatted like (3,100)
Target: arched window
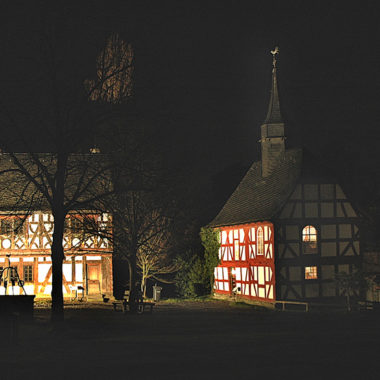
(260,241)
(309,239)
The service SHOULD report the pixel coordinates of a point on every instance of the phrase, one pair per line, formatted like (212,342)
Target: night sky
(203,74)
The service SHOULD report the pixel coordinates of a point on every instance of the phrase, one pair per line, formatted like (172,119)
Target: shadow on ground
(194,340)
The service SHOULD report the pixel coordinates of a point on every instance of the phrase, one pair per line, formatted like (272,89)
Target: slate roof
(257,198)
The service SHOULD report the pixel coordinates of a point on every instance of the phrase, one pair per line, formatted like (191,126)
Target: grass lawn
(195,340)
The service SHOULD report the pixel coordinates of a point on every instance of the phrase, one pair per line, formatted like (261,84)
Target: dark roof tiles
(257,198)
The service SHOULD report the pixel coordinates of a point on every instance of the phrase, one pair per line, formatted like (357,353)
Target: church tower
(272,131)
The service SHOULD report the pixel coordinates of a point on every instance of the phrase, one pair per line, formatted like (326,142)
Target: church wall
(246,266)
(306,269)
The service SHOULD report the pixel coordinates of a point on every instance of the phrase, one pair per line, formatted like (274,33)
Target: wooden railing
(284,303)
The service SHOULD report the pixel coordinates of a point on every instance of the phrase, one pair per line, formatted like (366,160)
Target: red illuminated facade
(246,262)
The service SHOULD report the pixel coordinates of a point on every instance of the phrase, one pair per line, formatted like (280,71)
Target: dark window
(6,227)
(13,273)
(77,228)
(76,225)
(28,273)
(19,229)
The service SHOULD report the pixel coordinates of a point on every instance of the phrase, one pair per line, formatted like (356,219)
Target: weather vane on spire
(274,53)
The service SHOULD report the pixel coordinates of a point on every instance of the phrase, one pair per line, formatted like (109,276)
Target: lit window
(28,273)
(311,273)
(309,239)
(237,255)
(260,241)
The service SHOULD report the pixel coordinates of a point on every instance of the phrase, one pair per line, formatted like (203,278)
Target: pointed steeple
(274,112)
(272,131)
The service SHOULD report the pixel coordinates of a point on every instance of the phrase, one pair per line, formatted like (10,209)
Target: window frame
(311,272)
(309,245)
(260,241)
(6,227)
(236,250)
(27,272)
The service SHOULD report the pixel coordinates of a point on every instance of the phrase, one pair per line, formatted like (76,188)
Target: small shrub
(196,276)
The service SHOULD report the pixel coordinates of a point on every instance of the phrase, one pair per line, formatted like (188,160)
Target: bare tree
(62,180)
(140,235)
(153,255)
(351,285)
(143,211)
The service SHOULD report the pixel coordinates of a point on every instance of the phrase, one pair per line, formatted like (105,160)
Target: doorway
(93,277)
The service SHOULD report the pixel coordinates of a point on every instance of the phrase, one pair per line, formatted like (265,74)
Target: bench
(365,306)
(141,306)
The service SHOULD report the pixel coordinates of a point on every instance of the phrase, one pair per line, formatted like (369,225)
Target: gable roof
(257,198)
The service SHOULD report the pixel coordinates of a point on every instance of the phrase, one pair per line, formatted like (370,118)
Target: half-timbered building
(26,229)
(288,228)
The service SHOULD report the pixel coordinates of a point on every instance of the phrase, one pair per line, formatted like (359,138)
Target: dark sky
(203,71)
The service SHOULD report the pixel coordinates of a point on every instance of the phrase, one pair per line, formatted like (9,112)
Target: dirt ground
(194,340)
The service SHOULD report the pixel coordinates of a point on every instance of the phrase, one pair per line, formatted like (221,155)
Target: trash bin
(156,293)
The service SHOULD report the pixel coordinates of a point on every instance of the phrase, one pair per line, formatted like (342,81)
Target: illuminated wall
(247,262)
(88,257)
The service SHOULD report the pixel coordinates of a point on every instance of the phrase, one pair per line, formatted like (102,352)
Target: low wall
(22,305)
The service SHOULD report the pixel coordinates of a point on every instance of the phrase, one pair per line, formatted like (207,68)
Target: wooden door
(93,278)
(232,278)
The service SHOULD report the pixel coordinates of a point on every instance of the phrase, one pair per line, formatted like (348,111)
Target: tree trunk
(57,252)
(132,284)
(143,285)
(348,301)
(57,255)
